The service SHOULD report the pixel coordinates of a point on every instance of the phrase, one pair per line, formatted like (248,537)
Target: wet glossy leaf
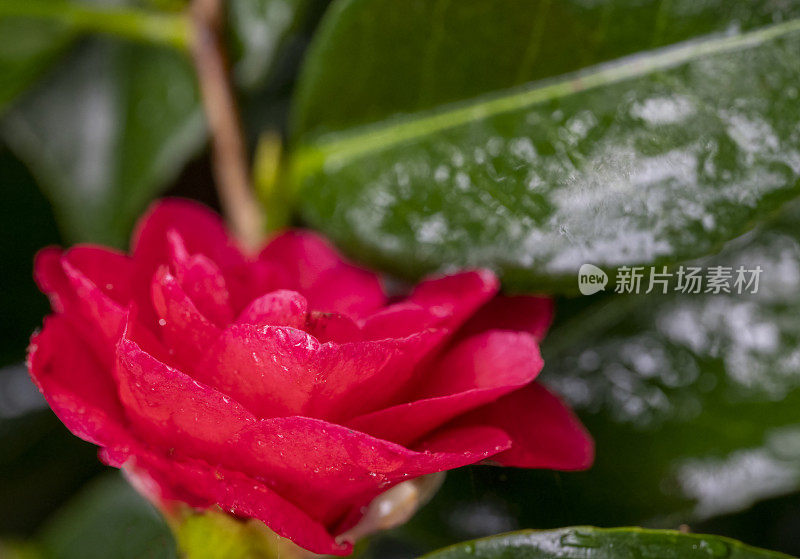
(594,543)
(693,399)
(651,159)
(105,132)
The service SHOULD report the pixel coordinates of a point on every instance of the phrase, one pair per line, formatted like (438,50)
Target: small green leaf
(653,159)
(105,132)
(609,543)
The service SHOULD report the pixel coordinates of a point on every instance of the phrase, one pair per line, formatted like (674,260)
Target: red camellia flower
(286,386)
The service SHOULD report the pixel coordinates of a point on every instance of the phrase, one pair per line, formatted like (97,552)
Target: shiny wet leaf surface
(655,158)
(617,543)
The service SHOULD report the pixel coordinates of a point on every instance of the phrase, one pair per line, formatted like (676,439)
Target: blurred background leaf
(41,463)
(105,132)
(107,519)
(27,49)
(258,28)
(117,120)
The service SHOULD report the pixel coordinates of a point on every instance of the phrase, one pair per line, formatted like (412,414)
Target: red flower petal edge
(285,386)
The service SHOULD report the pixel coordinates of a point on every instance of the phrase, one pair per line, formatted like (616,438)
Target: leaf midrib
(339,148)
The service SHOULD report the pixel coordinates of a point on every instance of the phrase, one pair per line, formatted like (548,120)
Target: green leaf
(104,16)
(118,121)
(708,384)
(595,543)
(27,49)
(374,59)
(108,519)
(105,132)
(652,159)
(34,33)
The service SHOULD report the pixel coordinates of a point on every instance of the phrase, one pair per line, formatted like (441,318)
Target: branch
(229,153)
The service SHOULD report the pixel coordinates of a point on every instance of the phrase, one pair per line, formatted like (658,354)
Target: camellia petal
(316,463)
(241,495)
(311,266)
(181,325)
(444,302)
(75,294)
(277,308)
(333,327)
(75,385)
(323,466)
(88,306)
(202,232)
(201,279)
(477,371)
(171,410)
(276,370)
(520,313)
(545,432)
(108,269)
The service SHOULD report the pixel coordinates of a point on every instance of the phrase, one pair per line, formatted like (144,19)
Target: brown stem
(229,153)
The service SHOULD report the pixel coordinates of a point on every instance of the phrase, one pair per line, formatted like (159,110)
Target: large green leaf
(693,399)
(651,159)
(105,132)
(594,543)
(373,59)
